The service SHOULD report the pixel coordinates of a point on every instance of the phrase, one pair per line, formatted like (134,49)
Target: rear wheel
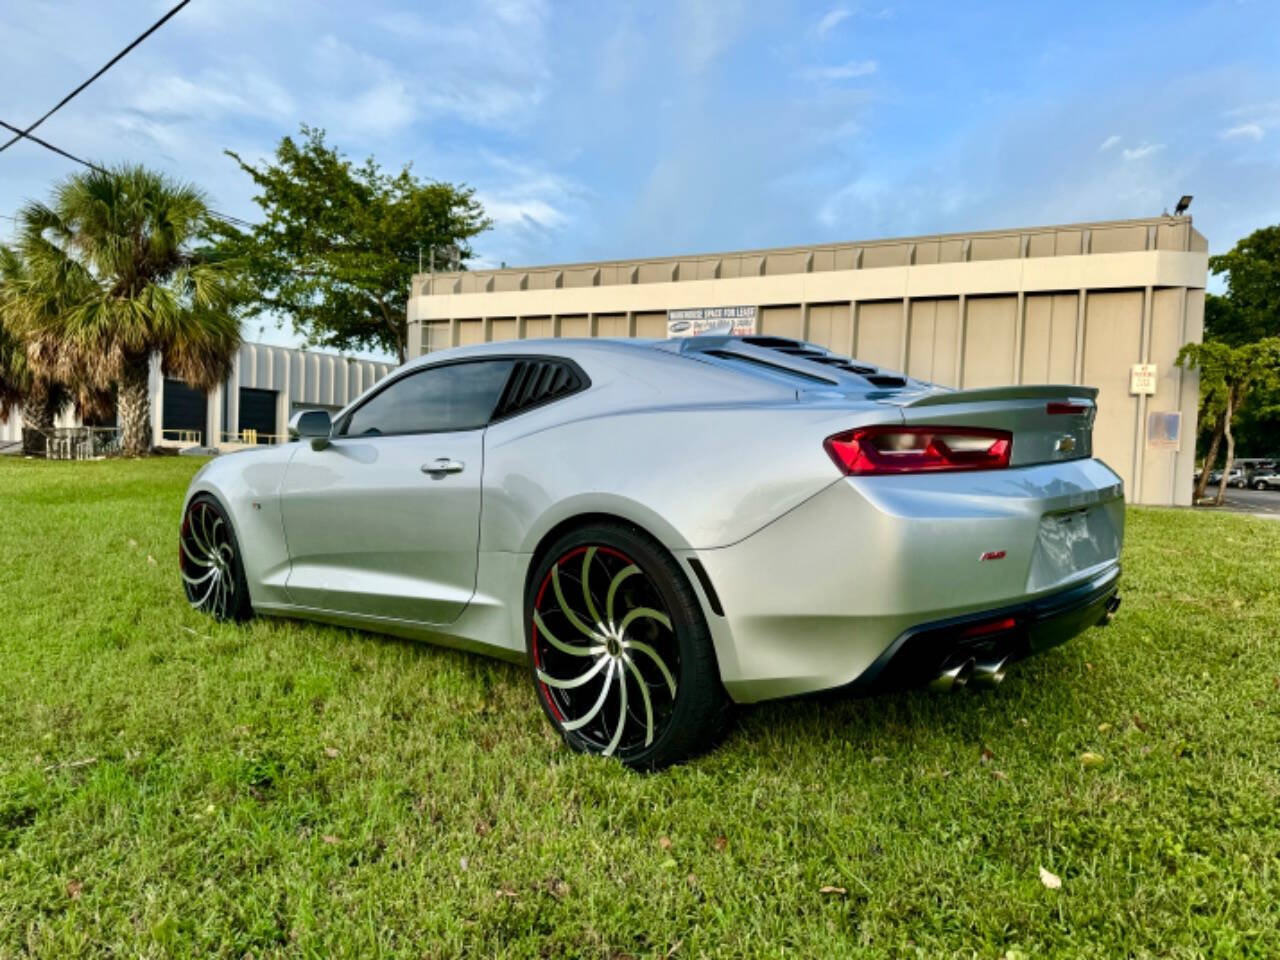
(1259,485)
(620,652)
(209,561)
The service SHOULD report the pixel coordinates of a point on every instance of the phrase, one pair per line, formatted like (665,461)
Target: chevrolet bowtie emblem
(1066,445)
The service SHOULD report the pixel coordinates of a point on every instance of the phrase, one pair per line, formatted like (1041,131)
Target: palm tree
(22,384)
(15,375)
(113,275)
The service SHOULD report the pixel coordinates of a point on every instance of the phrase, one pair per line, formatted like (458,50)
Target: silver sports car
(663,528)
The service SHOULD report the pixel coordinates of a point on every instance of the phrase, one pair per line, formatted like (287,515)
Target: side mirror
(314,424)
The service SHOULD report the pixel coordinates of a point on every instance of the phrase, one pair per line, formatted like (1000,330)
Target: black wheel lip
(633,754)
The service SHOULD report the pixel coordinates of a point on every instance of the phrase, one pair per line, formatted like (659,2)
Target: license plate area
(1070,544)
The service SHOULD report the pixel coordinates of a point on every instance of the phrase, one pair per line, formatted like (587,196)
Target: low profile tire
(210,562)
(620,653)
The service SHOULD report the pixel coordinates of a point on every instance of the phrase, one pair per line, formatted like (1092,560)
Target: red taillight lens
(872,450)
(986,629)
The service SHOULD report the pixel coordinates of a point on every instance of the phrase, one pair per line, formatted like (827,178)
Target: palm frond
(112,274)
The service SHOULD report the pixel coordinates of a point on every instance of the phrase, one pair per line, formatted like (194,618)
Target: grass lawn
(174,787)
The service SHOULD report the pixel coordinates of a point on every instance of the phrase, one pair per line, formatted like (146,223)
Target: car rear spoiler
(995,394)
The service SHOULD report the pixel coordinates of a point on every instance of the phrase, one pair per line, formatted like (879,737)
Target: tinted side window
(460,396)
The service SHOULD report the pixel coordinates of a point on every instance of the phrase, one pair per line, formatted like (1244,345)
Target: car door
(384,520)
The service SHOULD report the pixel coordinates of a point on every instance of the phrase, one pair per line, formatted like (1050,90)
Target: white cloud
(381,110)
(214,94)
(1108,143)
(881,206)
(845,71)
(705,29)
(1243,131)
(1137,153)
(832,19)
(1252,121)
(488,69)
(1267,108)
(529,205)
(519,12)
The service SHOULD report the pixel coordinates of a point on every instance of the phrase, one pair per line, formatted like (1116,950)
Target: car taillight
(1064,408)
(875,450)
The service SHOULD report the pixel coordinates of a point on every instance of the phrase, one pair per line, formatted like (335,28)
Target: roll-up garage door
(258,412)
(185,408)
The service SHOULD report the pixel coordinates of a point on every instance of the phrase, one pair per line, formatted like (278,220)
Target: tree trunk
(38,415)
(1203,483)
(134,406)
(399,327)
(1231,447)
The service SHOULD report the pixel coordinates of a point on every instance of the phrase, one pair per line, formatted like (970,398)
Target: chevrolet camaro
(661,529)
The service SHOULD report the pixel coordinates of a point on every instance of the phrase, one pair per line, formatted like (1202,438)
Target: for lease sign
(695,321)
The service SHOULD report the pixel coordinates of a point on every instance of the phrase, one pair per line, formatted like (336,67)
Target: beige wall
(1072,304)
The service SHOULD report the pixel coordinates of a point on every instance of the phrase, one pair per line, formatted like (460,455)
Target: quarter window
(457,396)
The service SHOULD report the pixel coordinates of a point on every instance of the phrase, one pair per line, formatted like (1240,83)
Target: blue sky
(597,130)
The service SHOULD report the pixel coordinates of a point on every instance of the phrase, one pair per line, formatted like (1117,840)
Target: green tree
(15,374)
(1251,308)
(340,242)
(114,271)
(22,384)
(1227,376)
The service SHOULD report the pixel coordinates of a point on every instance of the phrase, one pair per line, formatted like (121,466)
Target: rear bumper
(814,599)
(1013,632)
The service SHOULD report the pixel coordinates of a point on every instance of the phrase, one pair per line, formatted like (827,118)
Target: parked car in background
(1266,480)
(1256,468)
(1234,479)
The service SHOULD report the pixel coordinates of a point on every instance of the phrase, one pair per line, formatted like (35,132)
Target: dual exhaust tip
(989,674)
(979,674)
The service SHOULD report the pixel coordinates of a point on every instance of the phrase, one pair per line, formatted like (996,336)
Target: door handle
(442,465)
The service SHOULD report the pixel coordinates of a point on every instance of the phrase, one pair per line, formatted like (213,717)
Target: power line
(107,66)
(22,134)
(19,134)
(49,146)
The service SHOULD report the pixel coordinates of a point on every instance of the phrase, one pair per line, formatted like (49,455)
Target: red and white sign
(1142,378)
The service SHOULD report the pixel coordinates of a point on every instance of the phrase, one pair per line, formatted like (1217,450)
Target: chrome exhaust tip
(989,674)
(952,678)
(1109,613)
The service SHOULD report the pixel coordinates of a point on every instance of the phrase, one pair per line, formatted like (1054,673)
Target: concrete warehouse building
(267,385)
(1104,304)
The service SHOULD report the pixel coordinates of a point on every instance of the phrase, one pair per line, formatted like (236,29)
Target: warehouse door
(258,413)
(185,408)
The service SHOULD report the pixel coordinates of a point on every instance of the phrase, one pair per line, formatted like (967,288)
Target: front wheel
(209,560)
(1259,485)
(621,656)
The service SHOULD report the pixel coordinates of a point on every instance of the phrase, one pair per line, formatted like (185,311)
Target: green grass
(174,787)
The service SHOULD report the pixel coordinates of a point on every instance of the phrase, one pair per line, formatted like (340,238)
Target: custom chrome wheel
(212,576)
(619,651)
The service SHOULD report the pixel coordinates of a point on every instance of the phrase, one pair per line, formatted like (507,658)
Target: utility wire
(49,146)
(19,134)
(22,134)
(107,66)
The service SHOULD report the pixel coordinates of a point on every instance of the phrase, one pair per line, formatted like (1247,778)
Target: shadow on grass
(1035,688)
